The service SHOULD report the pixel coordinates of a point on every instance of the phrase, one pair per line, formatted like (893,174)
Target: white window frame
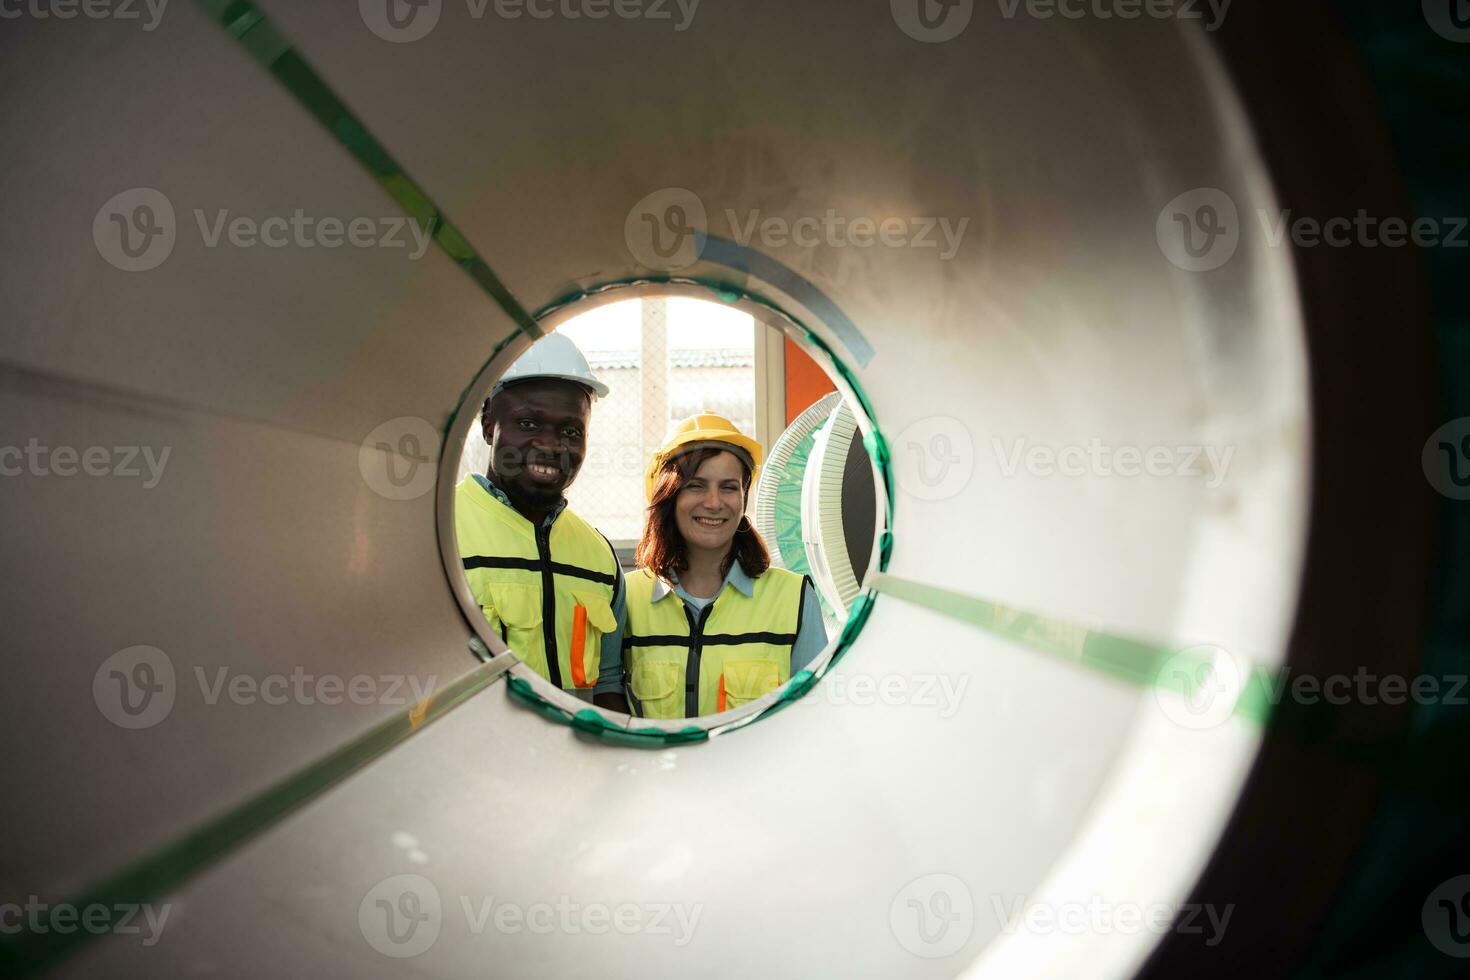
(770,404)
(770,383)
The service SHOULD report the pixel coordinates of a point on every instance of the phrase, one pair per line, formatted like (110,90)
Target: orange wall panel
(806,382)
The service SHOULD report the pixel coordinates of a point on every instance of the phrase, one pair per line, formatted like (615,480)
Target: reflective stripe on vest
(530,581)
(677,665)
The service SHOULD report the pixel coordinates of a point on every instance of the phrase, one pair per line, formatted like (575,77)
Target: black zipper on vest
(548,606)
(691,666)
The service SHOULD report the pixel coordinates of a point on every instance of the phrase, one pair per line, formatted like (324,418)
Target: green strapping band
(162,871)
(1132,661)
(592,722)
(254,31)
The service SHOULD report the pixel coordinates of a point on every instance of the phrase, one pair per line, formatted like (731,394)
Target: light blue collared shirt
(811,639)
(610,673)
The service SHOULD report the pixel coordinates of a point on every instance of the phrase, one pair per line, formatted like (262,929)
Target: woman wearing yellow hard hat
(711,625)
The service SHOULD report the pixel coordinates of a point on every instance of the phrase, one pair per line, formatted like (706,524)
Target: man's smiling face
(537,431)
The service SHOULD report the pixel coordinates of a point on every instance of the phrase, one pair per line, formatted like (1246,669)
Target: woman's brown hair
(662,548)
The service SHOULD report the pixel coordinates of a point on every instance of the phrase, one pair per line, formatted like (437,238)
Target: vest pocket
(747,680)
(658,686)
(515,610)
(592,619)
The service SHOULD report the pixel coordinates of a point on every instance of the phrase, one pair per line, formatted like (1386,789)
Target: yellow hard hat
(704,431)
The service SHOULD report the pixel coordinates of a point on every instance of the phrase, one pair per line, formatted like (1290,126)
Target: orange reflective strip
(720,704)
(579,645)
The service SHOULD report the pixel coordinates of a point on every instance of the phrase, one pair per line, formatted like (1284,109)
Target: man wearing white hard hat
(547,580)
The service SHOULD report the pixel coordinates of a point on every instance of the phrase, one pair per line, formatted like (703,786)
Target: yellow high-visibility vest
(543,590)
(678,664)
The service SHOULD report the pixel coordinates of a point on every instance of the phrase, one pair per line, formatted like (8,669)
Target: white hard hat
(553,356)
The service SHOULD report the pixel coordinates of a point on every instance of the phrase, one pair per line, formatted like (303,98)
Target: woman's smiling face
(710,503)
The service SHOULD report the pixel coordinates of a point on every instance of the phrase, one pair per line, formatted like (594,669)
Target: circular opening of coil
(667,351)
